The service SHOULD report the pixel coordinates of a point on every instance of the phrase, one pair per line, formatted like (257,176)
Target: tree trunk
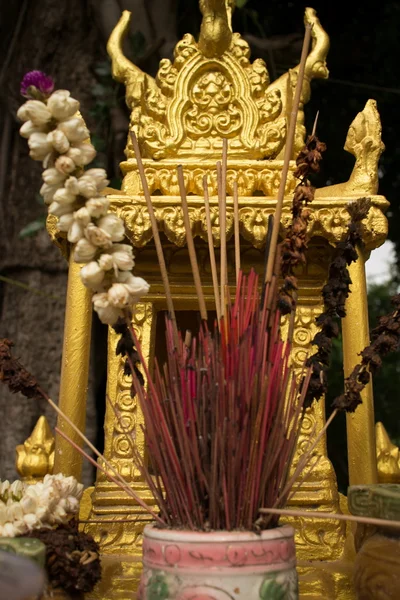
(60,39)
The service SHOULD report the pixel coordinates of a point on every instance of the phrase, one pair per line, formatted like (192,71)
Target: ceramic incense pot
(186,565)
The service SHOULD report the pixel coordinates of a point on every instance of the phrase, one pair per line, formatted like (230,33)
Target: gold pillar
(360,424)
(74,371)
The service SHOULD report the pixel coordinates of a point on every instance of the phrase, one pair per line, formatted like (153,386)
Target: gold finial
(387,456)
(216,29)
(123,69)
(35,457)
(363,141)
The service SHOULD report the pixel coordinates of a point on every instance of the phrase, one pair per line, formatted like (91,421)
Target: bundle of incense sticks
(222,417)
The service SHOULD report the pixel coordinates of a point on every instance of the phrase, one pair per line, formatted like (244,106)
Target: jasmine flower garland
(25,508)
(58,137)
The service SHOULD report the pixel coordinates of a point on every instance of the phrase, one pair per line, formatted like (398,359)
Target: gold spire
(35,457)
(387,455)
(216,27)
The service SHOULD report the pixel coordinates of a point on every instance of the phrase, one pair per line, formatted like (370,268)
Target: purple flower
(36,83)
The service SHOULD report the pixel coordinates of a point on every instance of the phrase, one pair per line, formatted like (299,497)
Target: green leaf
(33,228)
(241,3)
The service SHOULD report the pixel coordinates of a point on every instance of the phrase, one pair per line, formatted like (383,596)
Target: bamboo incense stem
(190,245)
(83,438)
(236,228)
(314,514)
(211,249)
(314,129)
(222,224)
(124,487)
(156,236)
(288,154)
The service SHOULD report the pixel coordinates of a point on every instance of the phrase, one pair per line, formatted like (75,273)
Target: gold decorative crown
(212,91)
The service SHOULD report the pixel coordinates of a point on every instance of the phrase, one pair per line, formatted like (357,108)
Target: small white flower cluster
(26,507)
(58,136)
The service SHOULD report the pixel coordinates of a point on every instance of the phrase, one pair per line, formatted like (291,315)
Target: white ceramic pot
(186,565)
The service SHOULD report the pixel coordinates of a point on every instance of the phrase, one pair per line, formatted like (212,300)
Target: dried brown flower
(125,347)
(334,294)
(14,375)
(295,243)
(309,157)
(385,339)
(72,558)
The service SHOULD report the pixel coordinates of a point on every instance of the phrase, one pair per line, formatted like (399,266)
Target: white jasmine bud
(75,155)
(71,185)
(82,154)
(28,128)
(97,236)
(84,251)
(100,177)
(22,112)
(87,187)
(118,295)
(98,207)
(47,192)
(65,222)
(82,216)
(59,210)
(106,262)
(17,489)
(35,111)
(112,225)
(62,196)
(61,105)
(39,146)
(108,314)
(75,130)
(52,176)
(75,232)
(65,165)
(59,141)
(92,275)
(136,286)
(123,260)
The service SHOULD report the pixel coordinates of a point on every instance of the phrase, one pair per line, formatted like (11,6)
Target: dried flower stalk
(385,339)
(295,244)
(334,294)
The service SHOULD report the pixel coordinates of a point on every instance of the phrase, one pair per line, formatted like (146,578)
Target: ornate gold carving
(118,449)
(387,455)
(321,540)
(109,502)
(329,217)
(364,141)
(35,457)
(58,238)
(211,90)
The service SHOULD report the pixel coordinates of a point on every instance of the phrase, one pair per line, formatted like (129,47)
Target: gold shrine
(209,92)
